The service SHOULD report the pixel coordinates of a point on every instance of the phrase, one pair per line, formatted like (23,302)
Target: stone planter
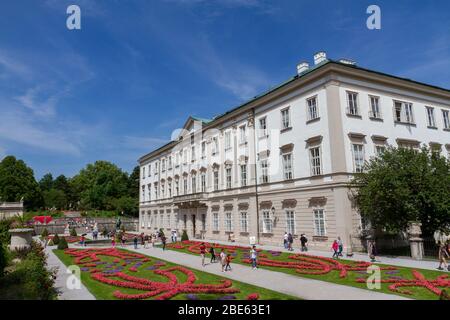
(415,241)
(20,239)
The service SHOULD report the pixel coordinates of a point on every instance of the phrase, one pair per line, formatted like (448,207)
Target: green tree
(17,181)
(404,185)
(98,183)
(133,183)
(46,183)
(55,199)
(62,244)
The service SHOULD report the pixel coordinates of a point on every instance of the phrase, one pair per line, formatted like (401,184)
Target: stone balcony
(190,200)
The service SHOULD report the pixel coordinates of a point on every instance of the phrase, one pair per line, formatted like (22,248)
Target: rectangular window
(162,190)
(215,222)
(228,177)
(379,150)
(149,170)
(403,112)
(316,167)
(143,172)
(161,220)
(168,220)
(263,127)
(227,140)
(177,187)
(177,159)
(290,222)
(430,117)
(203,181)
(285,119)
(313,111)
(228,221)
(287,166)
(243,175)
(244,221)
(170,163)
(169,189)
(319,222)
(163,165)
(156,190)
(352,100)
(143,193)
(216,180)
(242,134)
(264,171)
(185,185)
(267,222)
(446,119)
(193,153)
(358,157)
(194,184)
(203,149)
(192,138)
(149,192)
(215,146)
(374,107)
(185,156)
(156,168)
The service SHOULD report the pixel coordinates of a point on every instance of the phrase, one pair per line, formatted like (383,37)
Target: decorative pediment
(228,163)
(314,140)
(289,203)
(243,206)
(215,207)
(228,206)
(263,154)
(356,136)
(317,201)
(379,138)
(287,148)
(243,159)
(265,204)
(203,169)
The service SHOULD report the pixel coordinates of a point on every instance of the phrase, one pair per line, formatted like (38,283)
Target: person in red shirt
(202,253)
(335,247)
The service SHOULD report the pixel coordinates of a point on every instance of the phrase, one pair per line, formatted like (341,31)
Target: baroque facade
(281,162)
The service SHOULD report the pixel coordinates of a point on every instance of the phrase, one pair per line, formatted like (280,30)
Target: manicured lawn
(400,280)
(149,274)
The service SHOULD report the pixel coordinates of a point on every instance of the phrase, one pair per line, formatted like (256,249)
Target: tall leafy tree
(46,183)
(98,183)
(17,181)
(133,183)
(404,185)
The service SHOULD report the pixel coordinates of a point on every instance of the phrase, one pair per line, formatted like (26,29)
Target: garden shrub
(44,233)
(30,280)
(184,236)
(62,245)
(3,259)
(444,295)
(73,232)
(56,239)
(51,243)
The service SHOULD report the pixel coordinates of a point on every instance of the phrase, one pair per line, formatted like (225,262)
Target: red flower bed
(69,239)
(152,289)
(253,296)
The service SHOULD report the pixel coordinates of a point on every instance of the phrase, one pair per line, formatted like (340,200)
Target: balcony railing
(190,197)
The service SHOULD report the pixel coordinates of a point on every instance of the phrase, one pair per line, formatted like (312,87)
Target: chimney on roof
(320,57)
(302,67)
(347,61)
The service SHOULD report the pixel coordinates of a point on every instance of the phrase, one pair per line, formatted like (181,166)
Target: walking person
(443,255)
(202,253)
(213,254)
(341,246)
(113,242)
(123,240)
(153,240)
(335,248)
(223,259)
(285,240)
(135,241)
(253,257)
(372,250)
(146,241)
(290,242)
(228,261)
(175,236)
(163,240)
(142,240)
(303,241)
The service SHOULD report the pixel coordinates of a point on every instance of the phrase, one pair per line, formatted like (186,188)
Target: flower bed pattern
(316,265)
(89,261)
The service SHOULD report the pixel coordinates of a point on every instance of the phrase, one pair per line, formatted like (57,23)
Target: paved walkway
(395,261)
(289,284)
(61,279)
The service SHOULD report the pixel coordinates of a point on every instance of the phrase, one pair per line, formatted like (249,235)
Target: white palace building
(281,162)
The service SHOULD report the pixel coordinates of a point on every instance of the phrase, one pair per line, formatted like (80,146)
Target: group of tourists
(288,242)
(337,248)
(225,258)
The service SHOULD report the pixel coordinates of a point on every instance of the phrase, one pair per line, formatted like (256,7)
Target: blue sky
(118,88)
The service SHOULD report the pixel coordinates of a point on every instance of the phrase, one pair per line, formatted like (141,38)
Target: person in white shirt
(223,259)
(253,257)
